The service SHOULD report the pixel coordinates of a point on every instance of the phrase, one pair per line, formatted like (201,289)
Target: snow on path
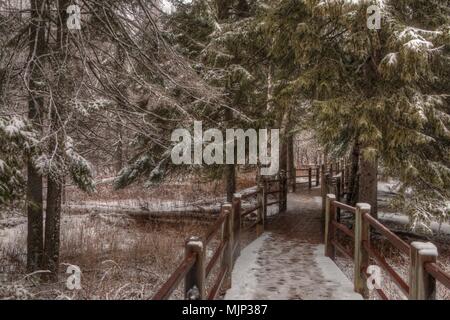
(287,261)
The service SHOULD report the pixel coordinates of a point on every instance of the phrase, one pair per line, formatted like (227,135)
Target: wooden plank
(392,237)
(218,284)
(217,254)
(438,273)
(390,271)
(214,229)
(343,228)
(174,280)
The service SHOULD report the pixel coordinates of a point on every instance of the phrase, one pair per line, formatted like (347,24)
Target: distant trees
(380,94)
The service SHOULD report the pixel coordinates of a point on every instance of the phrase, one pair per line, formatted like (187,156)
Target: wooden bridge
(298,235)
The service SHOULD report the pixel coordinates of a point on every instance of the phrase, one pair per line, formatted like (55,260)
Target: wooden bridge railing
(232,222)
(423,269)
(311,173)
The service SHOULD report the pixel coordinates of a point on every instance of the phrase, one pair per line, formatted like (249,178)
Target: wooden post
(323,192)
(194,282)
(237,201)
(310,178)
(265,190)
(317,176)
(282,195)
(329,229)
(361,256)
(260,204)
(347,179)
(227,236)
(326,189)
(338,198)
(285,189)
(331,169)
(294,181)
(422,284)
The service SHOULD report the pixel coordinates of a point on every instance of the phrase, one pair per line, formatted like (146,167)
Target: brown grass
(120,258)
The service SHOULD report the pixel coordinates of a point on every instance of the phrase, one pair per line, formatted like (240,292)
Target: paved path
(287,261)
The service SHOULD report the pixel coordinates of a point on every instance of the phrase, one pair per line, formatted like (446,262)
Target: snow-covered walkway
(287,261)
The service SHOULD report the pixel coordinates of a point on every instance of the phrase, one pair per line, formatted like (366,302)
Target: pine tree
(385,90)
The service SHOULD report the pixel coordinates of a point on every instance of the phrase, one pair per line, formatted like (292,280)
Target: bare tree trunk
(57,147)
(52,228)
(230,169)
(37,48)
(119,151)
(368,183)
(290,161)
(223,9)
(353,183)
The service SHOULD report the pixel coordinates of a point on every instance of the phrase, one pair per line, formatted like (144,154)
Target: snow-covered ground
(404,220)
(274,269)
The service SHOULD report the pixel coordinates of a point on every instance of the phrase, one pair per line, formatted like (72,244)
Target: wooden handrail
(390,271)
(218,284)
(438,273)
(344,229)
(392,237)
(247,212)
(273,192)
(214,229)
(248,195)
(174,280)
(217,254)
(344,206)
(381,294)
(342,250)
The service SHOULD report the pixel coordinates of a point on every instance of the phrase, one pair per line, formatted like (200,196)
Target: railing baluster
(361,256)
(194,284)
(237,202)
(422,285)
(329,229)
(227,238)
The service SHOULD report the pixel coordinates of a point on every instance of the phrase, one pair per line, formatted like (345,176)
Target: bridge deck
(287,261)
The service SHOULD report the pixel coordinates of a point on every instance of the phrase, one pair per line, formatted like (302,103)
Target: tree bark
(291,161)
(52,228)
(37,47)
(230,169)
(55,179)
(368,183)
(353,183)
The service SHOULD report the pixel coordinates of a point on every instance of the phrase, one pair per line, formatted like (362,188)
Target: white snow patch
(244,272)
(404,220)
(333,274)
(318,200)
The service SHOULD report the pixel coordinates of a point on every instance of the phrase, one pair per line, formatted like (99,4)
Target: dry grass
(120,258)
